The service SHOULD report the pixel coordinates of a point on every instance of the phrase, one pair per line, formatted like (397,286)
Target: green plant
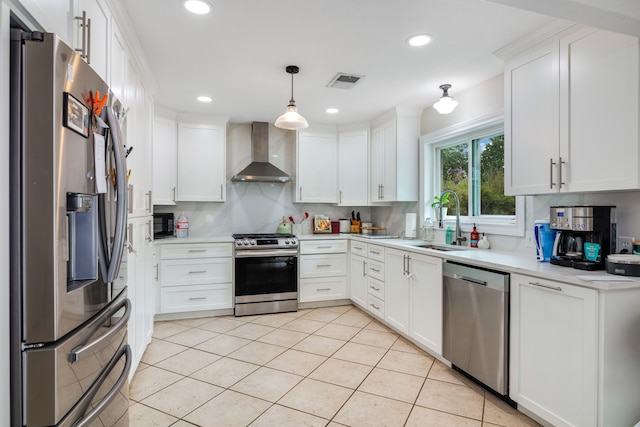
(440,201)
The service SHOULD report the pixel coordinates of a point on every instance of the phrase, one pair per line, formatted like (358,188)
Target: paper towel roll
(410,226)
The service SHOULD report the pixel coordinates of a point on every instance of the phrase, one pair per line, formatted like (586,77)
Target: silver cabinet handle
(130,247)
(374,306)
(323,289)
(83,25)
(340,197)
(375,252)
(364,268)
(149,195)
(382,192)
(88,41)
(560,181)
(196,250)
(551,165)
(130,202)
(221,191)
(197,298)
(173,190)
(324,247)
(540,285)
(374,288)
(149,231)
(198,272)
(157,277)
(375,269)
(300,192)
(323,265)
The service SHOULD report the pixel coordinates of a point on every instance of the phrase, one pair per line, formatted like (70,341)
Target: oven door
(265,275)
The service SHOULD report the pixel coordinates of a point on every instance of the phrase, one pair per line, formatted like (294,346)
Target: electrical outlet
(529,241)
(625,244)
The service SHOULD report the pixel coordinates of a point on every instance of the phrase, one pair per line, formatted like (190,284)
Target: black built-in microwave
(163,225)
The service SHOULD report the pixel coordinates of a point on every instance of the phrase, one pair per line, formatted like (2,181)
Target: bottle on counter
(182,226)
(429,230)
(449,236)
(475,236)
(484,242)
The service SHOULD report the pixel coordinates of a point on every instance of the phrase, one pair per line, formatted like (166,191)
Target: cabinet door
(164,162)
(54,17)
(201,163)
(600,140)
(531,122)
(118,63)
(97,42)
(554,350)
(358,280)
(353,169)
(425,311)
(317,167)
(396,290)
(383,163)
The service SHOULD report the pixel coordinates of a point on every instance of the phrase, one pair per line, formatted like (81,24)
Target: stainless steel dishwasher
(476,329)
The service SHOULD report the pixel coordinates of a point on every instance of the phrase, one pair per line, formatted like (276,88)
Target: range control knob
(253,242)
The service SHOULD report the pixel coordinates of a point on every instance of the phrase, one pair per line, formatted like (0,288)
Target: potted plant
(440,201)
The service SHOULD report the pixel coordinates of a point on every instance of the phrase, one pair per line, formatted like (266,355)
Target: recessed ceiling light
(199,7)
(204,99)
(332,110)
(419,40)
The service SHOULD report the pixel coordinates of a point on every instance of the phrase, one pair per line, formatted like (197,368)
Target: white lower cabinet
(323,270)
(396,297)
(425,301)
(358,273)
(195,277)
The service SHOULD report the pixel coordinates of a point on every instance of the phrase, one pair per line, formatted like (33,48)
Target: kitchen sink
(444,248)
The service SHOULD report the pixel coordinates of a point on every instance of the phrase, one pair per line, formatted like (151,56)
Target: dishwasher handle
(468,279)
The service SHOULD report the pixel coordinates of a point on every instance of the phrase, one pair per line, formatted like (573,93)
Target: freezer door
(82,378)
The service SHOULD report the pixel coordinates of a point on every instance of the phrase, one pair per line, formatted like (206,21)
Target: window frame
(465,132)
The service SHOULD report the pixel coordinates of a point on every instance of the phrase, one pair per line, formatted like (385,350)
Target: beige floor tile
(303,325)
(222,344)
(321,315)
(441,372)
(339,308)
(339,332)
(452,398)
(250,331)
(316,397)
(160,350)
(341,372)
(228,409)
(296,362)
(498,412)
(221,324)
(360,353)
(163,330)
(274,320)
(323,346)
(364,409)
(142,366)
(409,363)
(180,423)
(394,385)
(402,344)
(377,326)
(335,424)
(375,338)
(285,417)
(141,415)
(149,381)
(188,361)
(298,313)
(192,337)
(421,417)
(353,318)
(194,322)
(225,372)
(258,353)
(182,397)
(268,384)
(283,338)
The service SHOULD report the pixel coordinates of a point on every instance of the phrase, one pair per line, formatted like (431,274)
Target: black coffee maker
(587,235)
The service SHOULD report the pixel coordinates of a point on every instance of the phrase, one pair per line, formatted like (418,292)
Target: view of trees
(455,164)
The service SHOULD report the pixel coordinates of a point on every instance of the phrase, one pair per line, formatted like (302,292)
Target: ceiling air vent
(344,81)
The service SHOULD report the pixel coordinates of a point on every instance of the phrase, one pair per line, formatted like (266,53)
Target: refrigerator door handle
(90,348)
(121,195)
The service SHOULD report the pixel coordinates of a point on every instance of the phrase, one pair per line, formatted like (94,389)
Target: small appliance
(586,235)
(544,237)
(163,225)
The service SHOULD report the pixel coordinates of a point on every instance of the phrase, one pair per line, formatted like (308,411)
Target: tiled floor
(332,366)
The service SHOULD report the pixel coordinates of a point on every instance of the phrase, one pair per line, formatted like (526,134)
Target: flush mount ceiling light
(292,120)
(419,40)
(204,99)
(199,7)
(332,110)
(446,104)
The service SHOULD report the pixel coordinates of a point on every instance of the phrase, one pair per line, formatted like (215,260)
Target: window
(469,160)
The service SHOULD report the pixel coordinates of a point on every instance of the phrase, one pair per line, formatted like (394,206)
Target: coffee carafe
(586,236)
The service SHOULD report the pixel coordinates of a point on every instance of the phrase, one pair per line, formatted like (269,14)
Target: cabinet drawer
(323,289)
(359,248)
(174,299)
(375,306)
(375,252)
(323,246)
(375,269)
(195,272)
(375,288)
(323,265)
(195,250)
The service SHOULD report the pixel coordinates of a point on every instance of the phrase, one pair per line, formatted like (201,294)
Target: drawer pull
(540,285)
(374,288)
(374,306)
(323,265)
(374,269)
(324,247)
(323,289)
(197,298)
(197,250)
(375,252)
(198,272)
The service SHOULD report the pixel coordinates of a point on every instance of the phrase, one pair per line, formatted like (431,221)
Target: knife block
(355,226)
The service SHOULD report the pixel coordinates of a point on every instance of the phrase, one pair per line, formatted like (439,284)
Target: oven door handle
(266,253)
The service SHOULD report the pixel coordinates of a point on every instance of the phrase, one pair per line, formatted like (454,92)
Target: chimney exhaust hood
(260,170)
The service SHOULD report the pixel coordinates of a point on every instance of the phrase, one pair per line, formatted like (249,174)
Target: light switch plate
(529,241)
(623,243)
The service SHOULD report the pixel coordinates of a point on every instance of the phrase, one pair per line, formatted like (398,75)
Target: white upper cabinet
(165,147)
(54,17)
(93,34)
(394,159)
(353,168)
(317,166)
(571,115)
(201,165)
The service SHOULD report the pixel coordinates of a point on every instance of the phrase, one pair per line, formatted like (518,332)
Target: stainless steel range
(266,273)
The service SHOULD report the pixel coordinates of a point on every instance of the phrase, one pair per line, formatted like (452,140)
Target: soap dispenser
(484,242)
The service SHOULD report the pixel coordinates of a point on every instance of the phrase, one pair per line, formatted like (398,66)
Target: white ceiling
(237,54)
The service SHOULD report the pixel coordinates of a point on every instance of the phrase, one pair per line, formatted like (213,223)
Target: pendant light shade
(446,104)
(291,120)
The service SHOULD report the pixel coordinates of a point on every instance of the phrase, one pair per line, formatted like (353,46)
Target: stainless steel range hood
(260,170)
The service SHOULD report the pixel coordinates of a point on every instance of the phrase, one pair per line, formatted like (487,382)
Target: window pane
(491,182)
(454,163)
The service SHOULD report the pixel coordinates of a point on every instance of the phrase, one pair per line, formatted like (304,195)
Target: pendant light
(446,104)
(292,120)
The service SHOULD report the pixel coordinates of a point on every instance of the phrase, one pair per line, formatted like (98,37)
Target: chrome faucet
(459,237)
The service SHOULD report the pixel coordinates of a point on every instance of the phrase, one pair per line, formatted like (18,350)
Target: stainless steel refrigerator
(70,360)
